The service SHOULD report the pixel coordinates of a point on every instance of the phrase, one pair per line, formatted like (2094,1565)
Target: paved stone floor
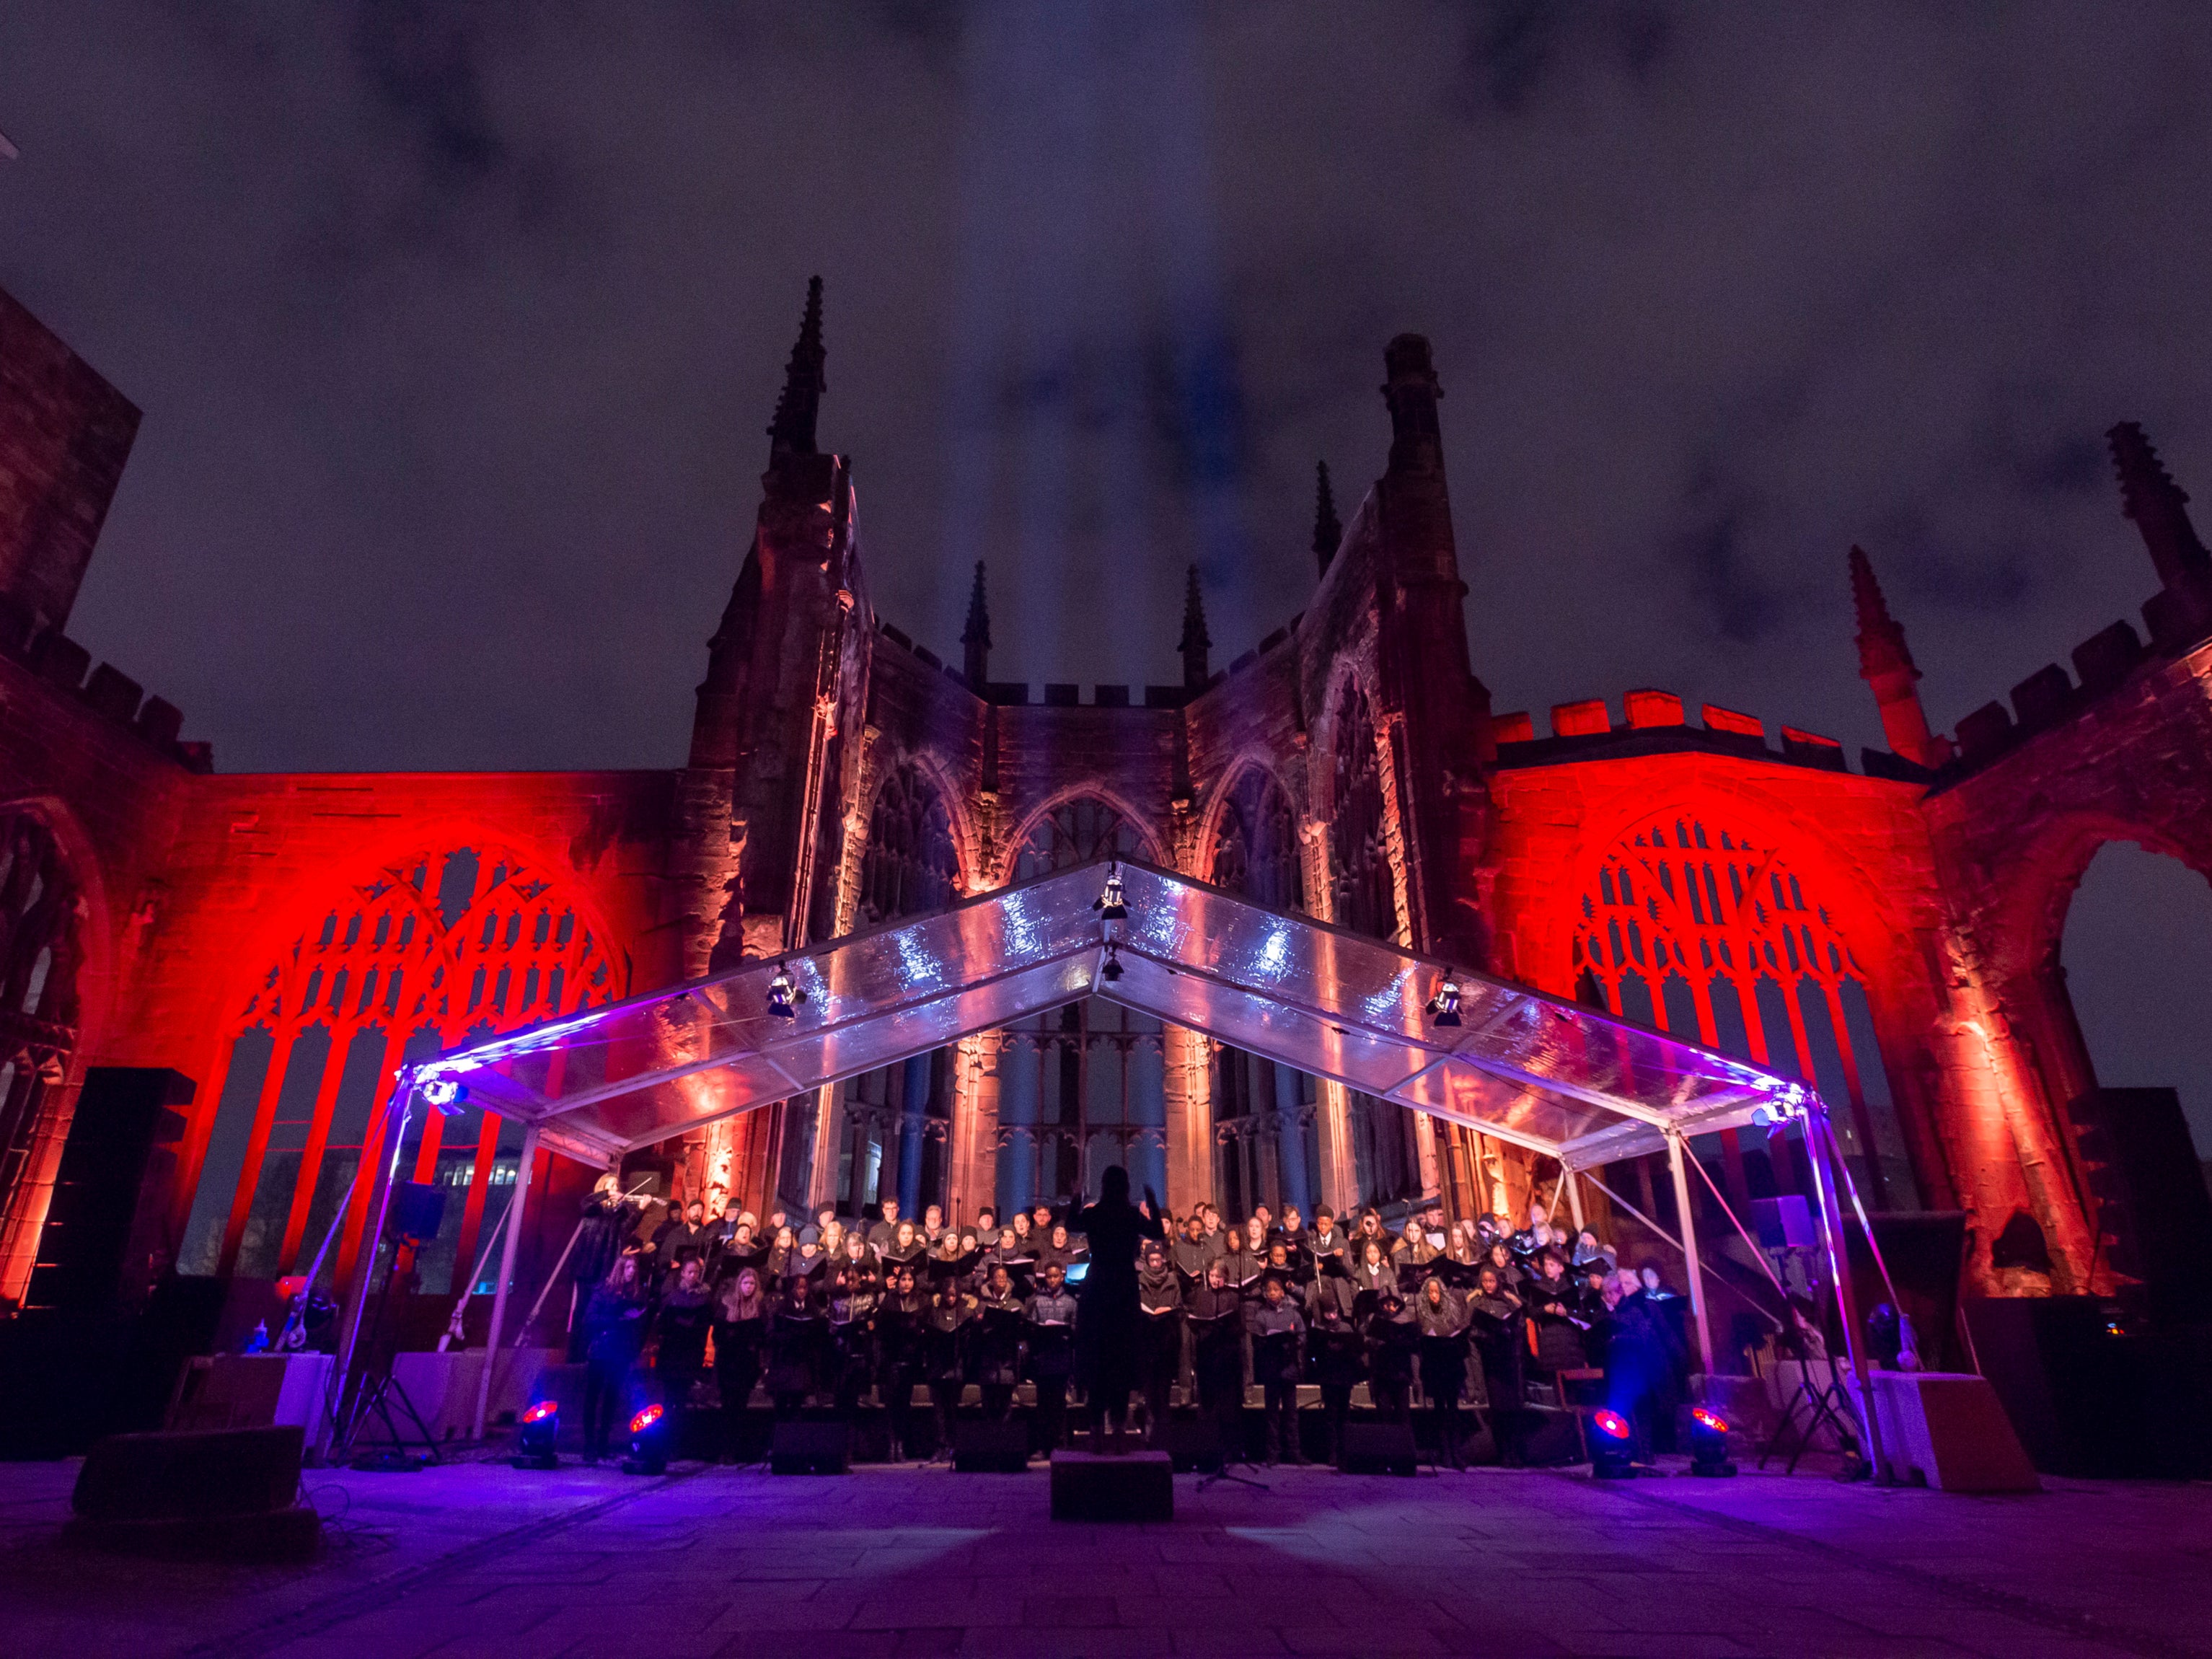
(476,1558)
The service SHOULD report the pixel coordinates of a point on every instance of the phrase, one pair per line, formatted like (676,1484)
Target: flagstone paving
(476,1558)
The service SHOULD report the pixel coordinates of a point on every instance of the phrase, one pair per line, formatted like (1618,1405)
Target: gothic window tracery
(1085,1086)
(1700,930)
(892,1123)
(1386,1157)
(37,984)
(1365,891)
(431,951)
(1266,1127)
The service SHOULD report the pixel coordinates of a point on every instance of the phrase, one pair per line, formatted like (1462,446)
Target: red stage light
(1612,1424)
(644,1420)
(541,1411)
(1718,1424)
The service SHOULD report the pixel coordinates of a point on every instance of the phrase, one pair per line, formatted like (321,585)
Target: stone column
(1339,1173)
(1425,1147)
(1189,1098)
(972,1144)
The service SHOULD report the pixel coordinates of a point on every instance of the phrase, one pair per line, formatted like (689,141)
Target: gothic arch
(2047,873)
(909,846)
(1713,918)
(1366,873)
(1150,846)
(1234,777)
(1254,804)
(373,959)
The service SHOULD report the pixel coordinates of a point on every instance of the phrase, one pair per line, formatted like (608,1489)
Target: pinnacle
(791,431)
(1327,532)
(1194,616)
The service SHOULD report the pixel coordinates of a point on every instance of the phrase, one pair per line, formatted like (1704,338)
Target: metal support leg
(1820,1147)
(1674,1156)
(397,1112)
(506,1277)
(1574,1194)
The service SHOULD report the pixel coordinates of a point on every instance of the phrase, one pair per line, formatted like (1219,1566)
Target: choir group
(826,1314)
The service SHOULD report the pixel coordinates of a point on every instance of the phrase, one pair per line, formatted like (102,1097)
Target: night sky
(456,327)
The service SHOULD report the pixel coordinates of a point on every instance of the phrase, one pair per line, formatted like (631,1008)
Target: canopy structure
(1546,1075)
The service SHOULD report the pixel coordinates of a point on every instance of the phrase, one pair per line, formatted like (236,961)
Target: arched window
(909,865)
(1365,892)
(892,1126)
(1386,1156)
(1255,851)
(1075,832)
(428,952)
(38,986)
(1699,929)
(1265,1127)
(1085,1086)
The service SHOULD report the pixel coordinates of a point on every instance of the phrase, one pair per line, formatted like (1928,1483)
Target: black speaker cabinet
(1551,1438)
(105,1239)
(809,1449)
(990,1448)
(189,1476)
(1192,1444)
(417,1207)
(1377,1448)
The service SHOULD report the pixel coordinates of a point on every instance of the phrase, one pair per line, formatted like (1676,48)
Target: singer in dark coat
(1106,1334)
(1159,1310)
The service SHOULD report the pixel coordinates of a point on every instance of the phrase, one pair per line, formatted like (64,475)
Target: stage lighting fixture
(443,1092)
(1111,904)
(1611,1447)
(539,1429)
(1709,1432)
(1443,1010)
(1112,970)
(782,999)
(648,1443)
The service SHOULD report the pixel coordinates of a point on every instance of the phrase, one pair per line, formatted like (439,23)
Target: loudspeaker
(417,1209)
(990,1448)
(106,1240)
(809,1449)
(2152,1202)
(2085,1401)
(1192,1444)
(1550,1439)
(1377,1448)
(1784,1224)
(189,1476)
(230,1494)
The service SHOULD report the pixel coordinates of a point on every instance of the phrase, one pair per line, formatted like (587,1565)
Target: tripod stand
(1826,1404)
(1233,1454)
(381,1392)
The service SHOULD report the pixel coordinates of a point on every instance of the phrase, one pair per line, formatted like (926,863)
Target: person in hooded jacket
(1159,1336)
(614,1322)
(1048,1321)
(1278,1331)
(899,1353)
(797,1344)
(950,1324)
(686,1310)
(609,1218)
(1338,1351)
(1498,1326)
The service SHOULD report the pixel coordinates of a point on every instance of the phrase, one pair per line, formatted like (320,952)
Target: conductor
(1106,1331)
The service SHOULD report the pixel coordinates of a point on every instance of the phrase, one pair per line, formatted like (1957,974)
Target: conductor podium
(1138,1485)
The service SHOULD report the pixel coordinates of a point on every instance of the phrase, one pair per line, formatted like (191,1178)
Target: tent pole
(1820,1145)
(1690,1249)
(505,1275)
(1574,1194)
(398,1110)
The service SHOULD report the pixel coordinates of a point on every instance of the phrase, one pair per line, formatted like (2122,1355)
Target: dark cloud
(456,327)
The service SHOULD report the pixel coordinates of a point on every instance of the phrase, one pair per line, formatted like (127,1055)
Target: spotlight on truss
(782,999)
(1111,904)
(1112,970)
(1443,1008)
(443,1092)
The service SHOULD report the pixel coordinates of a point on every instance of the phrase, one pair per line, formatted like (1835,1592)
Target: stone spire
(1411,390)
(1328,533)
(2159,508)
(1194,641)
(791,431)
(975,638)
(1885,665)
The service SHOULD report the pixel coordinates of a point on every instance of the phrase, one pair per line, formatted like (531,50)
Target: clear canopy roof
(1529,1068)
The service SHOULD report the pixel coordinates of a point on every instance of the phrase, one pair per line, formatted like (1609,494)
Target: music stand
(412,1221)
(1826,1404)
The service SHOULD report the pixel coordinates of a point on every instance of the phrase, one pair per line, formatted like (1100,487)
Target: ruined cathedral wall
(2011,837)
(260,861)
(917,712)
